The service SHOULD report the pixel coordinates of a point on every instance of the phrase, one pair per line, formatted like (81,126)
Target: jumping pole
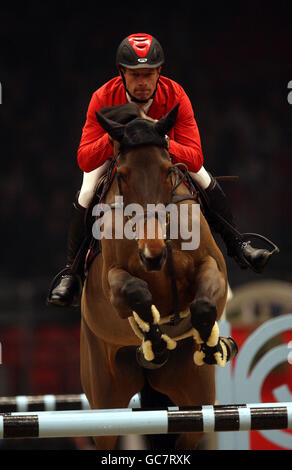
(130,421)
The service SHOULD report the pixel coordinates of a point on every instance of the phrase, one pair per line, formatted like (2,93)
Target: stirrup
(275,249)
(244,262)
(55,281)
(245,236)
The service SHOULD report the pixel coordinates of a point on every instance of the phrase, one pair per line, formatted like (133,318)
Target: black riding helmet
(139,51)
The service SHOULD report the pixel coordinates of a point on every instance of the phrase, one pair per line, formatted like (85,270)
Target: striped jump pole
(130,421)
(27,403)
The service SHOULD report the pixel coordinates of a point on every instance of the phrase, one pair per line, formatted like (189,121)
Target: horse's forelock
(141,132)
(138,128)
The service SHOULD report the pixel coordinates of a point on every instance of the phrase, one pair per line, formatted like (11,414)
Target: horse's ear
(114,129)
(167,122)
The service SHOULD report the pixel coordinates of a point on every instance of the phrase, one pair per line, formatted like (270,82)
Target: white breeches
(202,177)
(90,182)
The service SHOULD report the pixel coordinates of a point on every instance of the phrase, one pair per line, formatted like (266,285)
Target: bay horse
(149,308)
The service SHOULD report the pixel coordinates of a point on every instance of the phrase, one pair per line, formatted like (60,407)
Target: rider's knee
(85,197)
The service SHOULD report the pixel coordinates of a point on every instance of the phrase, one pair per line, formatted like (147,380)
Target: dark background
(234,62)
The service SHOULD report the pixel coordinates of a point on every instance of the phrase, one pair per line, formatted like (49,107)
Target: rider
(139,61)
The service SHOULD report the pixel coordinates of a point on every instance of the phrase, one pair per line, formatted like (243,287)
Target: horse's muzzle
(153,263)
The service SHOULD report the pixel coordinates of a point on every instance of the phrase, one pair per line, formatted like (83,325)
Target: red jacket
(185,144)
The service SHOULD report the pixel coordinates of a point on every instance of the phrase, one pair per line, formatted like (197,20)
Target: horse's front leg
(131,296)
(206,309)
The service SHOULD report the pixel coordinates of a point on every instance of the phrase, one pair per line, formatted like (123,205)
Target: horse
(150,309)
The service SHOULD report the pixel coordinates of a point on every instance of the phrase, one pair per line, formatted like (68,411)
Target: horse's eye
(122,176)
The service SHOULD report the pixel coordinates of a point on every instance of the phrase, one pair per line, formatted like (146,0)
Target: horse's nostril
(153,263)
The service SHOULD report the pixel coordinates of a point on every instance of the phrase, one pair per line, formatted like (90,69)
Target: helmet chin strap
(136,100)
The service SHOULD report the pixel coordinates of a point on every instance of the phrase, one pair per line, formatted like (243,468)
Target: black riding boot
(242,251)
(66,293)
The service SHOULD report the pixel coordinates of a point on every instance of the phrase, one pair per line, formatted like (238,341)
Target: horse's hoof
(155,364)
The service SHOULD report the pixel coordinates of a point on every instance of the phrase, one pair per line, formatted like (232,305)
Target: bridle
(180,172)
(180,177)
